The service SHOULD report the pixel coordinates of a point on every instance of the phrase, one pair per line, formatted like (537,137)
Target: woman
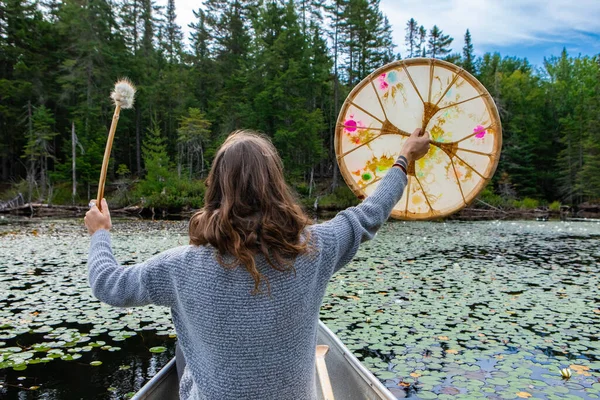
(245,294)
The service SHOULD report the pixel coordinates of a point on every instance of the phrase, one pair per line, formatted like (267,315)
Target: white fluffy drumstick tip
(123,93)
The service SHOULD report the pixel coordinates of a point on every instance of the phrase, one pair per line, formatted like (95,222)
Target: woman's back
(247,325)
(243,345)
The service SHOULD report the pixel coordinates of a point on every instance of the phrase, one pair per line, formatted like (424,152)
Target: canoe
(350,380)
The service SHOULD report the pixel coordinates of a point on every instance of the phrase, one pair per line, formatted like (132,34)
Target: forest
(280,67)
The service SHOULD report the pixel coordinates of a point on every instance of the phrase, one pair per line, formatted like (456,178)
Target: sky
(525,28)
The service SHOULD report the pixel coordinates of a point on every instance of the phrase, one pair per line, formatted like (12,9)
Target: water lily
(566,373)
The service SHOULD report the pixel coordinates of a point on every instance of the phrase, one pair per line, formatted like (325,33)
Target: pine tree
(39,150)
(203,74)
(468,58)
(412,37)
(382,44)
(438,44)
(335,11)
(367,39)
(282,105)
(131,24)
(29,61)
(193,136)
(229,23)
(173,35)
(421,47)
(156,162)
(589,176)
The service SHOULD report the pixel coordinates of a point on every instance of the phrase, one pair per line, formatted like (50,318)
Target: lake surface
(435,310)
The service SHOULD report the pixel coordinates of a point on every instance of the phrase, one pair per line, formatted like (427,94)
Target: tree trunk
(179,157)
(311,182)
(31,169)
(201,162)
(73,157)
(336,99)
(190,163)
(138,141)
(43,174)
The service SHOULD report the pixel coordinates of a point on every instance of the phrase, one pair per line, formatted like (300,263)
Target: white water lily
(566,373)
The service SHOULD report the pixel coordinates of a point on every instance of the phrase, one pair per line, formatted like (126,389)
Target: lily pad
(158,349)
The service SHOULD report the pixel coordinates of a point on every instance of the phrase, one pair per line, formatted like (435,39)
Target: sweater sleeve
(137,285)
(343,234)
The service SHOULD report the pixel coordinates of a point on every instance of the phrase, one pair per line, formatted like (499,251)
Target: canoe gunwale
(361,370)
(154,383)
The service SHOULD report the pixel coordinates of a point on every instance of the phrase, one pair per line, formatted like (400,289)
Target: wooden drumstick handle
(107,150)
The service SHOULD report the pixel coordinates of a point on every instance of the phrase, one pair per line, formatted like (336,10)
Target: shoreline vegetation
(182,205)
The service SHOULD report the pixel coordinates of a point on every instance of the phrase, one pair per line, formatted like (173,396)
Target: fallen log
(52,210)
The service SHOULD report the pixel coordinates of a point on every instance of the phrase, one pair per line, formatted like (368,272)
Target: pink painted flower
(479,132)
(383,85)
(350,125)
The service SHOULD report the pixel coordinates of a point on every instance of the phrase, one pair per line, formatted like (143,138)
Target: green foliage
(555,206)
(488,196)
(61,193)
(159,173)
(525,204)
(342,197)
(468,56)
(122,170)
(161,188)
(193,136)
(180,193)
(438,44)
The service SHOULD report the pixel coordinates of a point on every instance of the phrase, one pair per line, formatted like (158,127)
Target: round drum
(445,100)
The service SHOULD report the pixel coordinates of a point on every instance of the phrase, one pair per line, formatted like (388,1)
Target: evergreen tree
(29,60)
(229,23)
(203,76)
(283,86)
(131,24)
(367,39)
(39,149)
(412,38)
(438,44)
(421,50)
(156,161)
(589,176)
(173,35)
(468,58)
(193,136)
(383,43)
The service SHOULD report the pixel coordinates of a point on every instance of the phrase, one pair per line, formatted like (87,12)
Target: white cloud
(497,23)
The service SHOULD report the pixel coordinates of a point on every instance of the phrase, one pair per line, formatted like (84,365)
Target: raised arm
(343,234)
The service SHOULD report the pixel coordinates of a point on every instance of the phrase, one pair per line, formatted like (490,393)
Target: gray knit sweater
(238,345)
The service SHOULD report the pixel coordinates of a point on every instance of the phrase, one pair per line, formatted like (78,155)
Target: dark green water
(435,310)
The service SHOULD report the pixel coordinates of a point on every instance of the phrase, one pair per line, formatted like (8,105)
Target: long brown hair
(249,209)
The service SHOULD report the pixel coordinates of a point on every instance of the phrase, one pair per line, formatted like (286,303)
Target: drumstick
(123,98)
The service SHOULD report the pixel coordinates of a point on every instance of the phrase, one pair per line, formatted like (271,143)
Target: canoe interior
(349,378)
